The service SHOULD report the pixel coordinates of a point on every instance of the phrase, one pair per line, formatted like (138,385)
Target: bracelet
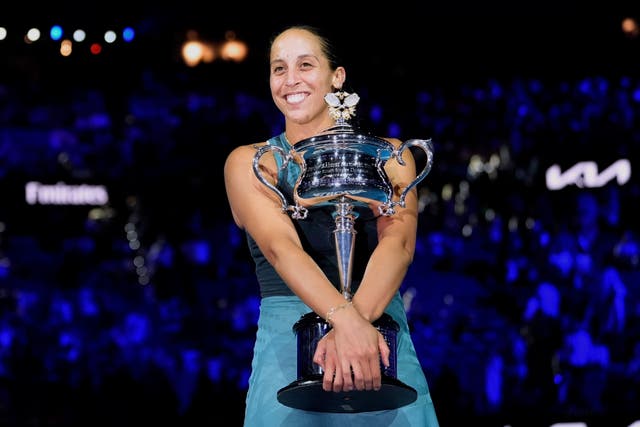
(333,310)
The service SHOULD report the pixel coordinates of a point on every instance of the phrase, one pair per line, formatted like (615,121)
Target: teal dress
(274,363)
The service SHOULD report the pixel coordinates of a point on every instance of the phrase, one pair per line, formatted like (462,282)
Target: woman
(295,260)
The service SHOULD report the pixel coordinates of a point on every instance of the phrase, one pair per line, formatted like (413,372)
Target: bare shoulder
(243,151)
(395,141)
(241,155)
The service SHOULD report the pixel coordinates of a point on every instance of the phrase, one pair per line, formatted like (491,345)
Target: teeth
(298,97)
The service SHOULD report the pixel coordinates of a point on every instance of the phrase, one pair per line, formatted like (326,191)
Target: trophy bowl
(342,163)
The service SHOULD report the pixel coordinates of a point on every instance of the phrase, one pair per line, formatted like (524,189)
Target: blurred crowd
(524,301)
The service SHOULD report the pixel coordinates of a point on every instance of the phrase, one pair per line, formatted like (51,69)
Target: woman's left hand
(366,376)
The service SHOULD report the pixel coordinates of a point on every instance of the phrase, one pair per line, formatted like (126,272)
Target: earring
(342,105)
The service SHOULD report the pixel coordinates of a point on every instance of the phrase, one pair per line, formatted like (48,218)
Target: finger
(319,356)
(337,380)
(375,375)
(384,358)
(329,375)
(328,378)
(347,377)
(385,352)
(371,373)
(359,372)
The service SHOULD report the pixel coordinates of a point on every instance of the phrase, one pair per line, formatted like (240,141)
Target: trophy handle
(427,146)
(298,212)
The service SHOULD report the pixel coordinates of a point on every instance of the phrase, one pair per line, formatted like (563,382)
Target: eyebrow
(306,55)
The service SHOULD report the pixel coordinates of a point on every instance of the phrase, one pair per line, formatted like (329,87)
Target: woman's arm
(393,255)
(257,210)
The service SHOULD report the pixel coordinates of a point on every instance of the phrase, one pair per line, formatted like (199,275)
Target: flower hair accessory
(342,105)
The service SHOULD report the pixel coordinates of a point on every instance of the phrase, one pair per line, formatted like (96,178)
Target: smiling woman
(298,266)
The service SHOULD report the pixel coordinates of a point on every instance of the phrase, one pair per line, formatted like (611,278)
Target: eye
(278,69)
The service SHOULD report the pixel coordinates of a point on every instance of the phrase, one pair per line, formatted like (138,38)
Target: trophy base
(307,394)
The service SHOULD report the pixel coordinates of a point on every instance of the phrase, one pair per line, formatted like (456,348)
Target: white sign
(586,175)
(64,194)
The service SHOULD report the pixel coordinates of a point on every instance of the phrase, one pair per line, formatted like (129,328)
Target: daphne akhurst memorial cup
(343,169)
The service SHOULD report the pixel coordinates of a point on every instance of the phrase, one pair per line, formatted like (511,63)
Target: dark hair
(327,47)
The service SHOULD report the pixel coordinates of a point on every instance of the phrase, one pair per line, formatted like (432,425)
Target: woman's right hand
(350,353)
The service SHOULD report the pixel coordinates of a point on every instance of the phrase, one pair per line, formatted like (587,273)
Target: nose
(292,77)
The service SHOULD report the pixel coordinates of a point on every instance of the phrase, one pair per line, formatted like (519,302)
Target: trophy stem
(344,236)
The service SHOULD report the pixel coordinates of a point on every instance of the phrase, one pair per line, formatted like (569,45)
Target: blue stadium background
(524,301)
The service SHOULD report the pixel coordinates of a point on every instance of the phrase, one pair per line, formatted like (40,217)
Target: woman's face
(300,77)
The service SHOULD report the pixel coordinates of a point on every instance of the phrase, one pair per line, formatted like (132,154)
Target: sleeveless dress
(274,363)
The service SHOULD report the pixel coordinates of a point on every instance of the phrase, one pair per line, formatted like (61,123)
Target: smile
(295,98)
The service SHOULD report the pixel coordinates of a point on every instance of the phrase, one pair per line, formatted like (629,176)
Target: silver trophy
(343,169)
